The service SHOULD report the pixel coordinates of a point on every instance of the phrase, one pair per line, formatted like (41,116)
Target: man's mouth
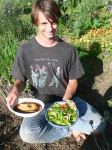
(50,33)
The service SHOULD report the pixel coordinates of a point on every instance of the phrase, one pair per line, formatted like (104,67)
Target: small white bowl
(21,100)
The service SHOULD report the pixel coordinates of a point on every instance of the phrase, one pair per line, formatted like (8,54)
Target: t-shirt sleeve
(76,69)
(19,69)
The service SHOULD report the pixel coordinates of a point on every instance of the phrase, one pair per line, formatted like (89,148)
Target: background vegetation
(87,24)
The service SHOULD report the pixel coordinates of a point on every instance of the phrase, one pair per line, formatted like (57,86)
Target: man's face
(46,29)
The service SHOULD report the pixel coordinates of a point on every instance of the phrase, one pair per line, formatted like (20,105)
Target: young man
(52,67)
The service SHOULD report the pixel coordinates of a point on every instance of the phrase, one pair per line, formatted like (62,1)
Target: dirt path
(97,94)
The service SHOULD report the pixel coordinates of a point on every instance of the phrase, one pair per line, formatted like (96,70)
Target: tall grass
(8,47)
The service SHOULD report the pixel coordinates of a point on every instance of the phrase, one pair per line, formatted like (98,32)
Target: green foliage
(15,28)
(27,88)
(89,42)
(8,16)
(80,16)
(13,19)
(83,14)
(8,47)
(110,103)
(96,23)
(26,3)
(67,19)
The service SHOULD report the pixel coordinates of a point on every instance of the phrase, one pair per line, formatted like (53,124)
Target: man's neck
(46,42)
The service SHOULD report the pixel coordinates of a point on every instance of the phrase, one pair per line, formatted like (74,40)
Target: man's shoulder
(25,47)
(66,45)
(28,44)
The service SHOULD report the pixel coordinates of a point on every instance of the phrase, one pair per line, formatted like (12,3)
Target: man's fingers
(78,136)
(77,139)
(11,99)
(8,100)
(12,102)
(83,136)
(73,104)
(66,100)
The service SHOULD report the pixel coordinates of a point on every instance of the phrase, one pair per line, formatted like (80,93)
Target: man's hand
(72,103)
(11,98)
(16,91)
(78,136)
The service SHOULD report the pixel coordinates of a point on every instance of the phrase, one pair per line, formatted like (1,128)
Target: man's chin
(50,36)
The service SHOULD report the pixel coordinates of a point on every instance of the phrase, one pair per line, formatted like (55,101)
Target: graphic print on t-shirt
(40,74)
(55,79)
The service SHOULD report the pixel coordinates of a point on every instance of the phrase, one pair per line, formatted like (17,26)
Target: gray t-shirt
(48,69)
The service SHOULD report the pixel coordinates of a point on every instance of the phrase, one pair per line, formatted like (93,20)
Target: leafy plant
(96,23)
(77,27)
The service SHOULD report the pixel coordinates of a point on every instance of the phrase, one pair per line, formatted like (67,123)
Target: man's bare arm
(71,89)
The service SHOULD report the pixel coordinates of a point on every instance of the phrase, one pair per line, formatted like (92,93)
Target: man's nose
(50,27)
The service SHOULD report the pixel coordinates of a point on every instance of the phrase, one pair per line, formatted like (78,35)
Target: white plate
(20,100)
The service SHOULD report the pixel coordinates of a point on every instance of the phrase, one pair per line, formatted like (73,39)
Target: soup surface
(27,107)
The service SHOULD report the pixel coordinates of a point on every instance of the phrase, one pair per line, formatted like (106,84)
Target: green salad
(62,114)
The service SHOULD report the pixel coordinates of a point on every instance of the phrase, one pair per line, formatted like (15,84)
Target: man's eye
(54,23)
(44,23)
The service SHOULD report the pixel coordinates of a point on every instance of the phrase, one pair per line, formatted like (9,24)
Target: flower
(7,3)
(29,3)
(109,8)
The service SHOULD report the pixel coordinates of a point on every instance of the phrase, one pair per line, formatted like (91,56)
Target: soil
(95,88)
